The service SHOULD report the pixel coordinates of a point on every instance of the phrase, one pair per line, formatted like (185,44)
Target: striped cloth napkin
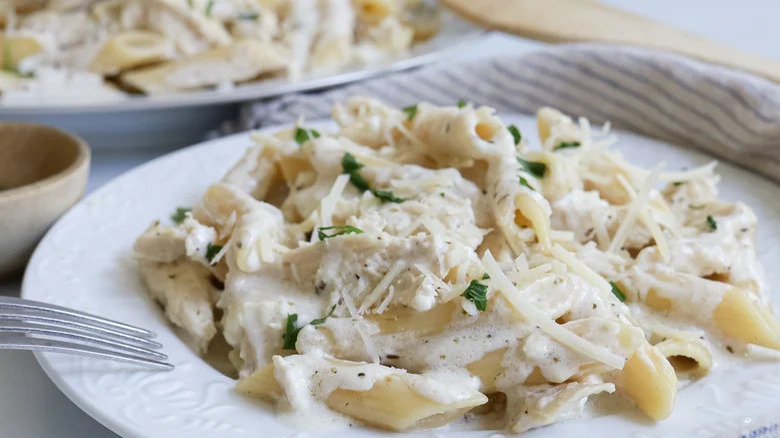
(730,114)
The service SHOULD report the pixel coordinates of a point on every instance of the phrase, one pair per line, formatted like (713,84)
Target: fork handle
(558,21)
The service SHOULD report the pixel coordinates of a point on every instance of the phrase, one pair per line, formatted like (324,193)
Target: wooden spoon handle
(559,21)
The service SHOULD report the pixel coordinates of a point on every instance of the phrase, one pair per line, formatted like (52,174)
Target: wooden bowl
(43,172)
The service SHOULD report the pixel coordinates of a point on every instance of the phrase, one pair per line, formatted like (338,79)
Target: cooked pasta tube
(393,403)
(374,11)
(686,355)
(741,316)
(131,49)
(488,368)
(14,49)
(240,61)
(545,404)
(261,384)
(649,379)
(377,395)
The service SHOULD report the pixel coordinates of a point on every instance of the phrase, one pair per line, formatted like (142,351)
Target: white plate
(84,262)
(183,119)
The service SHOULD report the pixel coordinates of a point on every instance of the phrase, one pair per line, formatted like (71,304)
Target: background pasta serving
(107,48)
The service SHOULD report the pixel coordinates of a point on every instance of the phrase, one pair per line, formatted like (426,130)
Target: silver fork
(32,325)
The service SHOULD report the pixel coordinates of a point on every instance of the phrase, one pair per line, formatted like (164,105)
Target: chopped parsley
(209,7)
(180,215)
(567,145)
(711,222)
(515,133)
(290,335)
(618,293)
(304,135)
(291,332)
(535,168)
(387,196)
(678,183)
(695,207)
(476,292)
(410,111)
(338,230)
(350,166)
(247,15)
(486,276)
(319,321)
(461,103)
(524,182)
(212,251)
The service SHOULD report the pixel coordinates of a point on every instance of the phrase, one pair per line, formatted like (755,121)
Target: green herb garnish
(180,215)
(410,111)
(618,293)
(476,292)
(387,196)
(711,222)
(350,166)
(304,135)
(212,251)
(209,7)
(535,168)
(339,230)
(524,182)
(291,332)
(319,321)
(678,183)
(190,4)
(248,15)
(486,276)
(290,336)
(515,133)
(567,145)
(461,103)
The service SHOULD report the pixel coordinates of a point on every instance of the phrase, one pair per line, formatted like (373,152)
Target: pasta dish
(425,265)
(98,50)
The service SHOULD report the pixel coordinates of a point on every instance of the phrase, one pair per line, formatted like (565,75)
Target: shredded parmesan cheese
(687,175)
(580,268)
(328,204)
(633,211)
(374,295)
(535,316)
(649,221)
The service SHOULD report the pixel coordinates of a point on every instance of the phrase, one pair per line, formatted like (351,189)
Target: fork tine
(18,303)
(22,342)
(67,321)
(76,335)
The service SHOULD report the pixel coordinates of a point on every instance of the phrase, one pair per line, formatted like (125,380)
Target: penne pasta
(410,270)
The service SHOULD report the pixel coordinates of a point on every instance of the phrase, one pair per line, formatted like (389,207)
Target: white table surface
(32,407)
